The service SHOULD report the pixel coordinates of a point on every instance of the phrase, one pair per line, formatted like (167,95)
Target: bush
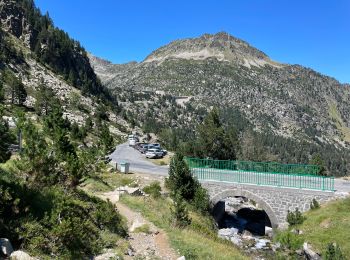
(295,218)
(153,189)
(289,240)
(333,252)
(314,204)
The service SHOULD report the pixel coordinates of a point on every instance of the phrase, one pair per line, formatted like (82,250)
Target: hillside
(295,104)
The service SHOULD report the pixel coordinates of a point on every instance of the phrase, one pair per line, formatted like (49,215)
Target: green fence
(261,173)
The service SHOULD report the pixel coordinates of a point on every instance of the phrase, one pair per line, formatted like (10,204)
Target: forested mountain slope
(289,104)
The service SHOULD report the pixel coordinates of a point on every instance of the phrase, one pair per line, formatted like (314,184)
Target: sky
(312,33)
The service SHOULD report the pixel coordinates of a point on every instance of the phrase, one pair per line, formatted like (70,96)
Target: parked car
(132,142)
(154,153)
(143,148)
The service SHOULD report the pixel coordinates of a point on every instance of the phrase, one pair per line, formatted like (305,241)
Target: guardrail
(261,173)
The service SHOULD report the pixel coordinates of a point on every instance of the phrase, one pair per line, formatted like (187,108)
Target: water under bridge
(276,188)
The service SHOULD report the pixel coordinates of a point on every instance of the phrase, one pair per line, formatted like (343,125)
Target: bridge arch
(249,195)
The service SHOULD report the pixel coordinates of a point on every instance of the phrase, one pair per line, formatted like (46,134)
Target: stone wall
(275,201)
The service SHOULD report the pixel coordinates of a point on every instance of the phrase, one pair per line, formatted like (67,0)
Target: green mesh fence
(261,173)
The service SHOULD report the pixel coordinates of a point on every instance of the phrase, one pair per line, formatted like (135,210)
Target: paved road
(139,164)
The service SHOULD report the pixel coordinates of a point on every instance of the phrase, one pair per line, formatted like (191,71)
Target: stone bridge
(274,200)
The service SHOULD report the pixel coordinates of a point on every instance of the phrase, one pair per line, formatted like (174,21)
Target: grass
(198,241)
(162,161)
(336,117)
(143,229)
(107,181)
(328,224)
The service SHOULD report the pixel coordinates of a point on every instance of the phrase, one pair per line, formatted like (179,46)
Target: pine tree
(180,180)
(16,90)
(179,212)
(45,100)
(5,139)
(106,140)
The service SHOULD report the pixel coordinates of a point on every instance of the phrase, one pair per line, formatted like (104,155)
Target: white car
(154,153)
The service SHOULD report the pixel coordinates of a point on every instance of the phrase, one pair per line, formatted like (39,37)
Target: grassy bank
(328,224)
(198,241)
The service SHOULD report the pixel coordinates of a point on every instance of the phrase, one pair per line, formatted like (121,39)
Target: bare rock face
(13,21)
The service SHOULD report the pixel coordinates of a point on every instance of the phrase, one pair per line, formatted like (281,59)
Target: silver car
(154,153)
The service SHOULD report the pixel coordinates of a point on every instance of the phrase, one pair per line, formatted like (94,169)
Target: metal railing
(261,173)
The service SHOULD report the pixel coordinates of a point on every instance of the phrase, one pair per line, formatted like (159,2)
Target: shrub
(333,252)
(179,213)
(153,189)
(295,218)
(289,240)
(314,204)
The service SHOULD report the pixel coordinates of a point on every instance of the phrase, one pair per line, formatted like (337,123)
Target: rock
(11,122)
(130,252)
(236,240)
(309,253)
(21,255)
(261,243)
(131,191)
(227,232)
(276,246)
(107,256)
(5,247)
(181,258)
(247,235)
(268,231)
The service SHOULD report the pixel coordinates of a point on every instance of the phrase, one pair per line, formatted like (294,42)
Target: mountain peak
(221,46)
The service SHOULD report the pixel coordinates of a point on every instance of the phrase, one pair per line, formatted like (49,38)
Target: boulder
(236,240)
(227,232)
(309,253)
(268,231)
(5,247)
(262,243)
(21,255)
(181,258)
(131,191)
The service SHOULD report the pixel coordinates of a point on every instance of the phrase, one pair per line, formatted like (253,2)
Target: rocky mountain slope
(221,70)
(24,54)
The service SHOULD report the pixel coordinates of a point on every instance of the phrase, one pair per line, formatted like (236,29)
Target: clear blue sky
(312,33)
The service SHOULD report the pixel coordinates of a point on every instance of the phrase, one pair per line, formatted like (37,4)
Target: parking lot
(138,162)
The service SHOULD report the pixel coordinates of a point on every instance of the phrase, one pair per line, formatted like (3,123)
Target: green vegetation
(143,229)
(333,252)
(290,241)
(183,185)
(328,224)
(64,55)
(339,123)
(42,208)
(196,241)
(295,217)
(179,212)
(153,189)
(314,204)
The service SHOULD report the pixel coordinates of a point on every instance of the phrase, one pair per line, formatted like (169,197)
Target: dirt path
(148,245)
